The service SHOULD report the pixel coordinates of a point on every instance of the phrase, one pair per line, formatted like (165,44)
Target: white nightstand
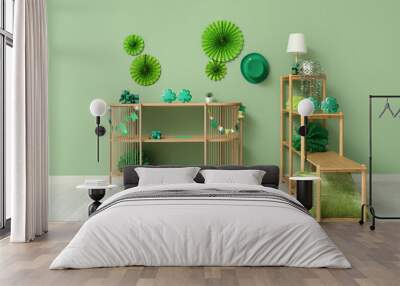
(96,193)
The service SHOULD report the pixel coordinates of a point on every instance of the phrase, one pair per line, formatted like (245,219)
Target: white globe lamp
(98,108)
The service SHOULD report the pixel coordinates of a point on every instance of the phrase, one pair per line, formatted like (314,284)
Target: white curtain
(27,137)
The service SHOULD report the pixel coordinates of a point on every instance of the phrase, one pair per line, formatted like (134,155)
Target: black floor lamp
(304,185)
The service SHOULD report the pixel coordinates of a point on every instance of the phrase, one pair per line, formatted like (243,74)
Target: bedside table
(96,193)
(304,190)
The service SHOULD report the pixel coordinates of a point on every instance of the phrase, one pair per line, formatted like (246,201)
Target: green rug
(340,197)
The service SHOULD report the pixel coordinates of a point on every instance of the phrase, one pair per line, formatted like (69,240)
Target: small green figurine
(168,96)
(329,105)
(128,98)
(156,134)
(184,96)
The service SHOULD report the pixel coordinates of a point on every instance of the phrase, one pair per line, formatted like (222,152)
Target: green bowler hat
(254,68)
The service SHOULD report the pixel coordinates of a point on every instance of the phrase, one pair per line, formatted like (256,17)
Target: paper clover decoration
(133,45)
(222,41)
(215,70)
(329,105)
(317,138)
(145,70)
(168,95)
(128,98)
(316,103)
(184,96)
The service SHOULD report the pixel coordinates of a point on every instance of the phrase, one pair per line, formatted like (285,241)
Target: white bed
(202,231)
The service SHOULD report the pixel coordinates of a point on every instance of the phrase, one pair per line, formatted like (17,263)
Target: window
(6,64)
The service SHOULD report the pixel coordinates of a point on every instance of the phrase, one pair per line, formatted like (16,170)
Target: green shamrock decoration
(128,98)
(329,105)
(168,96)
(215,70)
(145,70)
(317,138)
(316,103)
(184,96)
(133,45)
(222,41)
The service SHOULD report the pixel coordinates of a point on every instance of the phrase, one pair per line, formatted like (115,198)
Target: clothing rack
(369,206)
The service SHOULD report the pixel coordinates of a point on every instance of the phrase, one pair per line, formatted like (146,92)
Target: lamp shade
(305,107)
(296,44)
(98,107)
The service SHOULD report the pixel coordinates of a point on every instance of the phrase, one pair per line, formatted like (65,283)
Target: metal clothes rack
(370,202)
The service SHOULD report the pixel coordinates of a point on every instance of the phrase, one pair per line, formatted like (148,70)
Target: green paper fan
(145,70)
(222,41)
(133,45)
(215,70)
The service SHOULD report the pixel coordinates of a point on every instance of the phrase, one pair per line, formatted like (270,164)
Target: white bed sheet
(200,232)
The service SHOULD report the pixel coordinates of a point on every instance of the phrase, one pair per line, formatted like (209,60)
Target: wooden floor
(375,257)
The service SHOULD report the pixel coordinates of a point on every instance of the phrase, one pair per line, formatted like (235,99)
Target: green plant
(145,70)
(222,41)
(317,138)
(215,70)
(128,98)
(133,45)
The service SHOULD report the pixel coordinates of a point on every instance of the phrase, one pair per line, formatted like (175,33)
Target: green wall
(357,43)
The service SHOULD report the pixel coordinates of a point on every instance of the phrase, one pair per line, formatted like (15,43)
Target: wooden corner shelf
(324,162)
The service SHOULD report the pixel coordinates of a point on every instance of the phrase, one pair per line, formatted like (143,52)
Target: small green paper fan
(145,70)
(216,70)
(133,45)
(222,41)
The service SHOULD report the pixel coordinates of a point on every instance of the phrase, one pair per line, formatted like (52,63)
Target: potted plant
(209,97)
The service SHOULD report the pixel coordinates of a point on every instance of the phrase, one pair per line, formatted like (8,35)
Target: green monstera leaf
(216,70)
(222,41)
(145,70)
(133,45)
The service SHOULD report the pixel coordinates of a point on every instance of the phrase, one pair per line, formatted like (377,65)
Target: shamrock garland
(128,98)
(223,130)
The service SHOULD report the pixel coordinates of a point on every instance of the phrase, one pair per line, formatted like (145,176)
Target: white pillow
(166,176)
(248,177)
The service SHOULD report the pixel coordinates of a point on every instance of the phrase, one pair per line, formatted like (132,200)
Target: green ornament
(145,70)
(156,134)
(128,98)
(329,105)
(168,96)
(316,103)
(215,70)
(222,41)
(296,101)
(214,123)
(184,96)
(317,138)
(133,45)
(122,128)
(132,117)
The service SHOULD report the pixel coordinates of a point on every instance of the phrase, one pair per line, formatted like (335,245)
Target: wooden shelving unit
(324,162)
(218,148)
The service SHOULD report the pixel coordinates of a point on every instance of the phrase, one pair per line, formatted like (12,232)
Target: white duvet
(193,231)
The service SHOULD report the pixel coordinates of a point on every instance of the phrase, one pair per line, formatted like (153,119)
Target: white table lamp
(296,45)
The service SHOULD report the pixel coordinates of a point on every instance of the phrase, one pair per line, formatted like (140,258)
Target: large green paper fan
(215,70)
(222,41)
(133,45)
(145,70)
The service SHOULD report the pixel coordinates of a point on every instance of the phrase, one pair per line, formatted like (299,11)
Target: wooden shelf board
(317,115)
(191,139)
(177,104)
(303,77)
(333,162)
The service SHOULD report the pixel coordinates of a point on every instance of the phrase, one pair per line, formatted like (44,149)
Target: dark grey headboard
(270,179)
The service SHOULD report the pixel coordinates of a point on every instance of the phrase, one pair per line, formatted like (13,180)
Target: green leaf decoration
(329,105)
(128,98)
(316,103)
(184,96)
(145,70)
(215,70)
(317,138)
(133,45)
(168,95)
(222,41)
